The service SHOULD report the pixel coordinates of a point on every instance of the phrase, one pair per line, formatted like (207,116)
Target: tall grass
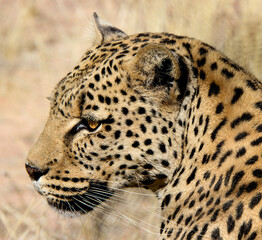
(40,41)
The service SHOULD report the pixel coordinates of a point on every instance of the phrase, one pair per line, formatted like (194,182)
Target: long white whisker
(134,222)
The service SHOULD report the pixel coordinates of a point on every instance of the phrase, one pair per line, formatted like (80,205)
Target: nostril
(34,172)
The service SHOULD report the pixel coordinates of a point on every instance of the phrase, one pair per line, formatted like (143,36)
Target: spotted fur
(165,112)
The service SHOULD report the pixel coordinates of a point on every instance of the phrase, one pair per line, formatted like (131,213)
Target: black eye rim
(83,125)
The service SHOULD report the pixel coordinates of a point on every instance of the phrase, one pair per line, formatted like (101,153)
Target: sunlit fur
(175,116)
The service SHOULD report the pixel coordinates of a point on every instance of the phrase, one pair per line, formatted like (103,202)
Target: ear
(103,32)
(160,72)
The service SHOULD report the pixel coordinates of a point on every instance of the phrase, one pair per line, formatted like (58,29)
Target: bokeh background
(40,41)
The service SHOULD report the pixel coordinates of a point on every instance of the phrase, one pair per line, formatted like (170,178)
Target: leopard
(158,111)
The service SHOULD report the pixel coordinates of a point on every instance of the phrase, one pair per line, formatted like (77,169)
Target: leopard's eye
(92,124)
(87,124)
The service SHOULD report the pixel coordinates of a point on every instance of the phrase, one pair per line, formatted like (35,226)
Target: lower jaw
(77,205)
(70,208)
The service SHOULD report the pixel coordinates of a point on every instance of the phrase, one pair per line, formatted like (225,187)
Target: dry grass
(40,42)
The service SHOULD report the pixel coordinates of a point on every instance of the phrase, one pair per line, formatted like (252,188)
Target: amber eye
(92,124)
(87,124)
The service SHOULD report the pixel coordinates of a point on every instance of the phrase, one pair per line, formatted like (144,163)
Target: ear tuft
(106,31)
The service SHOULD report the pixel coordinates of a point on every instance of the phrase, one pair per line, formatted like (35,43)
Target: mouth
(79,204)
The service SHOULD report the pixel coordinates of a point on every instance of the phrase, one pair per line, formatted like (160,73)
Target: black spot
(259,105)
(162,147)
(150,152)
(164,130)
(244,117)
(251,85)
(123,92)
(218,184)
(228,175)
(252,236)
(129,122)
(125,110)
(91,85)
(108,100)
(202,75)
(141,110)
(187,46)
(97,77)
(166,201)
(227,205)
(241,152)
(101,98)
(257,173)
(198,103)
(239,210)
(104,147)
(215,235)
(165,163)
(256,142)
(252,160)
(188,219)
(213,66)
(219,108)
(201,62)
(205,159)
(115,99)
(241,136)
(215,215)
(219,126)
(143,128)
(132,98)
(128,157)
(192,153)
(117,80)
(227,73)
(251,186)
(206,125)
(213,89)
(236,179)
(108,128)
(117,134)
(230,224)
(148,142)
(202,51)
(224,157)
(244,229)
(91,97)
(129,133)
(259,128)
(148,119)
(192,176)
(196,131)
(238,92)
(148,166)
(135,144)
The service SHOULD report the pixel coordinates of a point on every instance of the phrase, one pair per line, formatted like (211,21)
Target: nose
(34,172)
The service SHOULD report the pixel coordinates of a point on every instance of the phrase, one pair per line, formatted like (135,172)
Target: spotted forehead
(98,65)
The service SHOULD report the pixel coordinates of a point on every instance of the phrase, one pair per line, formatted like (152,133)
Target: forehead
(98,70)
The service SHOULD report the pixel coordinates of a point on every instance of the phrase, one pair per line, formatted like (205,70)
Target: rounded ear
(103,32)
(157,69)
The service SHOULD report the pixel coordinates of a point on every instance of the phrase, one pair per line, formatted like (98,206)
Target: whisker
(134,222)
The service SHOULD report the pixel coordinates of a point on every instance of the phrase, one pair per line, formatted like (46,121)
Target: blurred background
(40,41)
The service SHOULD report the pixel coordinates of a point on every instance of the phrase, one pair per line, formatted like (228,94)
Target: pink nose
(34,172)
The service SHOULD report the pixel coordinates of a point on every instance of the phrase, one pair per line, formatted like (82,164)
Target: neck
(209,170)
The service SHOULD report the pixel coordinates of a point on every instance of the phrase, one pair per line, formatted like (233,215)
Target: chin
(79,204)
